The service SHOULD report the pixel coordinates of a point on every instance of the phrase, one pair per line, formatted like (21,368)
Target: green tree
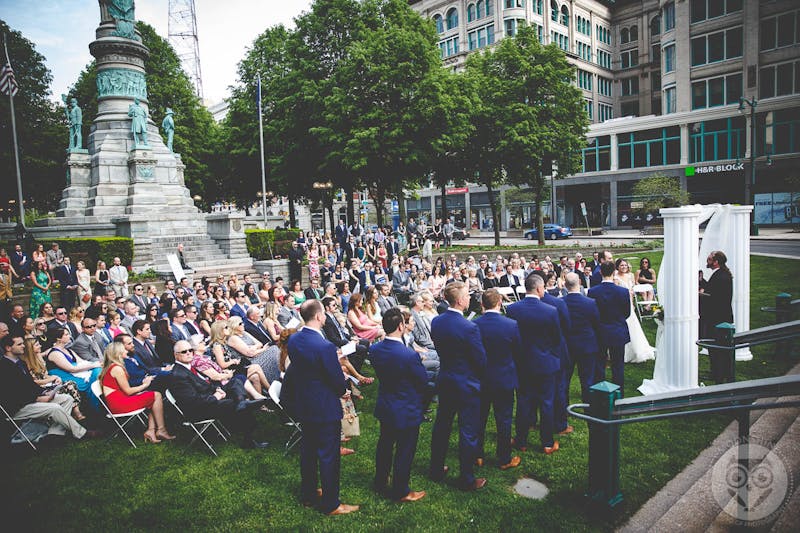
(41,131)
(657,191)
(532,110)
(384,113)
(196,133)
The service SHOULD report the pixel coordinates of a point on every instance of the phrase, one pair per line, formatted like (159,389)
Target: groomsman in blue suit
(614,305)
(463,362)
(402,386)
(313,384)
(502,343)
(539,365)
(582,337)
(565,373)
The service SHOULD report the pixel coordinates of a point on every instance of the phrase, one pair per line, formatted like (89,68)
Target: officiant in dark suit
(716,294)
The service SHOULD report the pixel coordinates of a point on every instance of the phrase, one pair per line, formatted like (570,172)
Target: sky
(61,30)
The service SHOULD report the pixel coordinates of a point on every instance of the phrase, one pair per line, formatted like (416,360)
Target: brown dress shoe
(567,430)
(413,496)
(479,483)
(550,449)
(513,463)
(346,451)
(344,509)
(479,461)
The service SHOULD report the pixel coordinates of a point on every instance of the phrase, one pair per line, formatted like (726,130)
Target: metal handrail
(754,337)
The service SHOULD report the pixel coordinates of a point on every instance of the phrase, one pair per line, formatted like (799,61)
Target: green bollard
(723,360)
(604,447)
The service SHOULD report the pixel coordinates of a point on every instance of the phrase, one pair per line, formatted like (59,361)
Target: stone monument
(127,182)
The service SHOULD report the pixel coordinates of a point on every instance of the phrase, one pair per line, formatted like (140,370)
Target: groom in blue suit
(402,385)
(539,365)
(313,384)
(582,337)
(463,363)
(614,305)
(502,343)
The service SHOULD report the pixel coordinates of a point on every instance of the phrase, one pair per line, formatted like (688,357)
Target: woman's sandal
(161,433)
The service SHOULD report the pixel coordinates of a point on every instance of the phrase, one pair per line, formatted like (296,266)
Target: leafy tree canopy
(659,191)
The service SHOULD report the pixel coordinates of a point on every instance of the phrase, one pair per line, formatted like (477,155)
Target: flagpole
(263,170)
(16,146)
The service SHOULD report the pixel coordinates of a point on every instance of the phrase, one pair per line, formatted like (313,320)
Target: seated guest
(314,292)
(101,335)
(429,358)
(86,345)
(296,295)
(145,354)
(24,399)
(235,385)
(362,325)
(40,332)
(253,326)
(252,296)
(221,312)
(283,344)
(131,311)
(370,304)
(122,397)
(199,399)
(37,367)
(205,318)
(162,330)
(338,335)
(69,366)
(178,328)
(270,322)
(400,405)
(385,299)
(225,358)
(151,313)
(240,307)
(251,350)
(113,323)
(61,322)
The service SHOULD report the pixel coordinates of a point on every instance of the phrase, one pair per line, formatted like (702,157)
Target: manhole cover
(530,488)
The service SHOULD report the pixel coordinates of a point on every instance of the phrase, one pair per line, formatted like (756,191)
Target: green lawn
(110,486)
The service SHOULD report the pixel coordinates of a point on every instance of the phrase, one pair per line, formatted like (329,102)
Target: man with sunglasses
(61,321)
(85,344)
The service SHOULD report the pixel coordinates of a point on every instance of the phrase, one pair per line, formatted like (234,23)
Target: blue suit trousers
(503,403)
(402,443)
(467,405)
(320,449)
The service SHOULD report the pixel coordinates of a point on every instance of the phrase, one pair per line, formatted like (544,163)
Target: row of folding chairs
(200,428)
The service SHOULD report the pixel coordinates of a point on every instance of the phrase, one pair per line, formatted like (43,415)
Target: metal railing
(607,412)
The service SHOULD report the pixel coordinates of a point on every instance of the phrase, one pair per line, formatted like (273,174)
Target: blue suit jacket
(402,383)
(540,331)
(137,371)
(362,278)
(614,305)
(503,346)
(563,320)
(314,381)
(461,354)
(597,277)
(66,279)
(238,310)
(583,337)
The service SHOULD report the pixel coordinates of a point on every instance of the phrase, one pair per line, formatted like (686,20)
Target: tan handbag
(350,424)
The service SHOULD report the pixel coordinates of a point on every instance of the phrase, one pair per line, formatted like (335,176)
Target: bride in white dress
(639,349)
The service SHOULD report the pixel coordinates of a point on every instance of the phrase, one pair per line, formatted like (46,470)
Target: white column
(684,144)
(739,263)
(678,293)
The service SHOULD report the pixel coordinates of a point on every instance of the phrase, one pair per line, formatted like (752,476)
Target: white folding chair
(199,426)
(297,431)
(506,293)
(97,390)
(19,429)
(520,292)
(639,292)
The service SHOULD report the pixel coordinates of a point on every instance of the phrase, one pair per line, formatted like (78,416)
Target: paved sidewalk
(782,233)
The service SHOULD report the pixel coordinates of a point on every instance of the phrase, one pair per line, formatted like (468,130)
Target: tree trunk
(401,203)
(444,203)
(539,213)
(495,221)
(348,191)
(329,206)
(292,218)
(379,199)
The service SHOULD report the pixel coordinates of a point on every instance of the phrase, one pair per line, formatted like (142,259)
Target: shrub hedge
(92,249)
(259,242)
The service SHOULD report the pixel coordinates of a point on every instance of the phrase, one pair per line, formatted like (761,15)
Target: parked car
(459,234)
(551,231)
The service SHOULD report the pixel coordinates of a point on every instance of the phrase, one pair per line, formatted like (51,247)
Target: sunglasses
(184,351)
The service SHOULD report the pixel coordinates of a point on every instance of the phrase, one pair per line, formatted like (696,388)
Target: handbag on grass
(350,424)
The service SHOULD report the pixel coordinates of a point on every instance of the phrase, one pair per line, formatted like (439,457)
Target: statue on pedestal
(168,125)
(138,116)
(75,120)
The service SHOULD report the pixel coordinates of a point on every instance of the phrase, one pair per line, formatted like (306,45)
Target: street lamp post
(324,186)
(750,181)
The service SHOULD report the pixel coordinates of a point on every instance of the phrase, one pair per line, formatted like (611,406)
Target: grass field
(110,486)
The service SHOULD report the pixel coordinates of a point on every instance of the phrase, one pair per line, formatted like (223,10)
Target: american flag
(8,85)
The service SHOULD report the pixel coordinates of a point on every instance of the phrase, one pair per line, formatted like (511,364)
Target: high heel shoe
(162,434)
(151,437)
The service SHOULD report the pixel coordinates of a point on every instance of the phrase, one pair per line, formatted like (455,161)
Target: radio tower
(183,38)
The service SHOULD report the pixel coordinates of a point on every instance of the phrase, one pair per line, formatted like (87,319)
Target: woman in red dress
(122,398)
